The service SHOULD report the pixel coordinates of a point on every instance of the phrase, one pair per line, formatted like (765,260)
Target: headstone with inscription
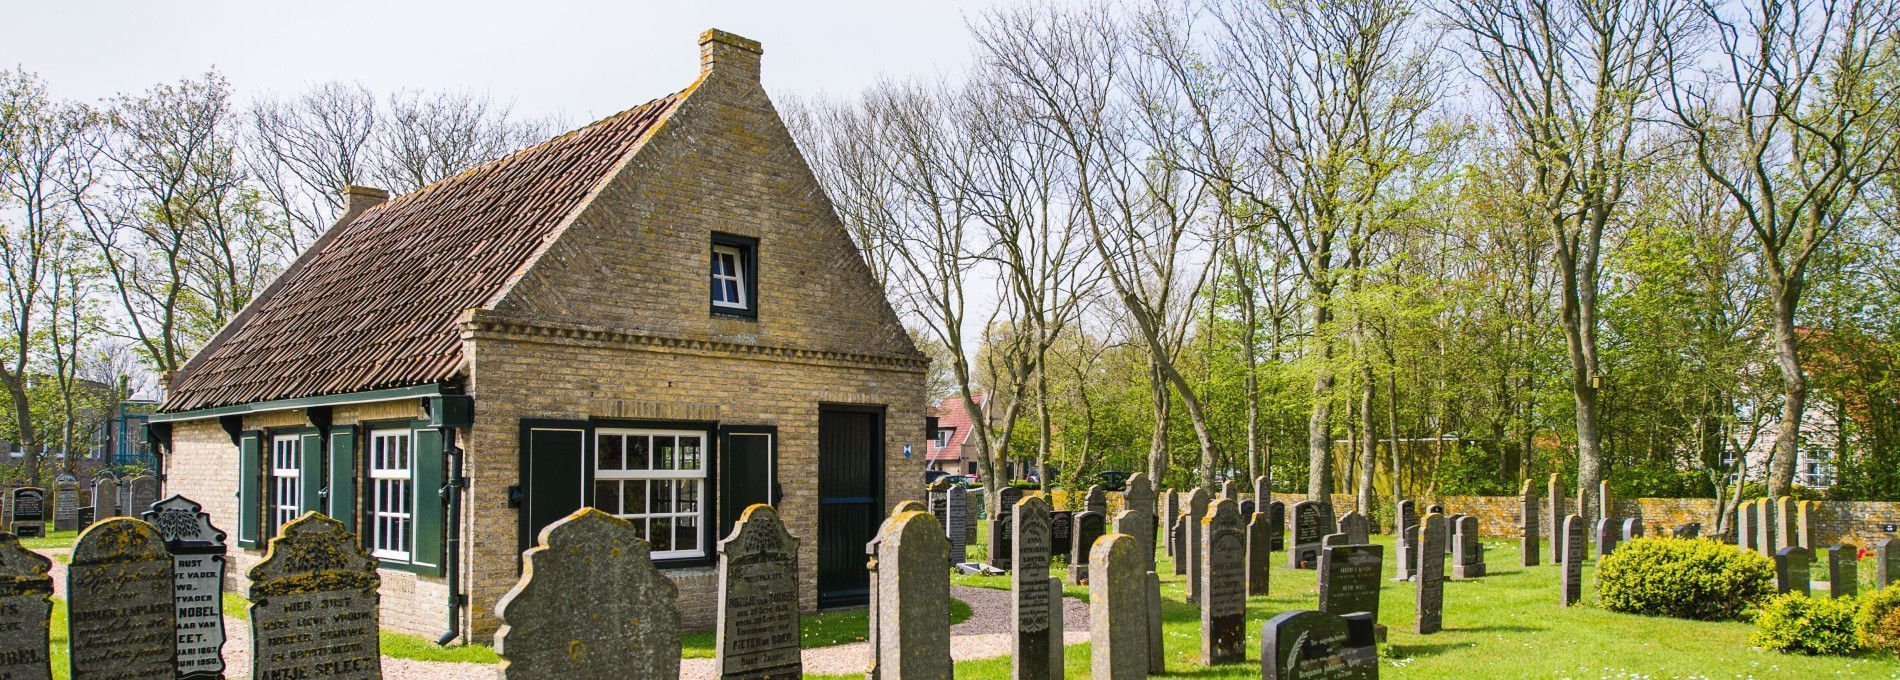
(1349,579)
(1197,503)
(1787,525)
(911,638)
(105,497)
(197,551)
(1118,616)
(1529,530)
(1061,532)
(29,512)
(1259,553)
(120,602)
(758,599)
(1356,527)
(26,599)
(622,623)
(314,605)
(1406,542)
(84,517)
(142,489)
(1037,650)
(1089,526)
(1177,543)
(1886,562)
(1276,523)
(1606,537)
(1309,645)
(1170,512)
(1138,507)
(1571,542)
(1002,526)
(1223,578)
(1467,551)
(936,496)
(65,504)
(956,527)
(1792,570)
(1429,615)
(1308,528)
(1843,570)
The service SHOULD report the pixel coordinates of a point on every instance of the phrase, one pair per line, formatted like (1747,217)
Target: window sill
(736,314)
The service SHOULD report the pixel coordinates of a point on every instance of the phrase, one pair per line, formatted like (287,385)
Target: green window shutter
(310,472)
(430,528)
(342,499)
(250,489)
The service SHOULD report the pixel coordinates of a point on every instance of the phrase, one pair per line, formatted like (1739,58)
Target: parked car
(931,476)
(1112,480)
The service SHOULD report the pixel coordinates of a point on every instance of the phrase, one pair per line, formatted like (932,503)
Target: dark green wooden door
(850,499)
(553,476)
(748,471)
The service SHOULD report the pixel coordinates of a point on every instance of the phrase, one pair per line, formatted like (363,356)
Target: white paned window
(728,277)
(286,480)
(392,488)
(657,480)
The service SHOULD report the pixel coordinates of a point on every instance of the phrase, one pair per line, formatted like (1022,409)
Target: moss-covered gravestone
(590,604)
(120,610)
(65,503)
(26,605)
(1118,619)
(1138,513)
(197,550)
(314,604)
(911,592)
(105,497)
(758,599)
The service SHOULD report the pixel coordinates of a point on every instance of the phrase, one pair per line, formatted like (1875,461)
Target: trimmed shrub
(1793,622)
(1878,622)
(1686,578)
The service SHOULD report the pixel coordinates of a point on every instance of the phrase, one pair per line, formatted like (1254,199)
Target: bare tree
(426,137)
(303,150)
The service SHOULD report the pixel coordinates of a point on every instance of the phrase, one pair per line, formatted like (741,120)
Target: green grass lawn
(823,629)
(53,539)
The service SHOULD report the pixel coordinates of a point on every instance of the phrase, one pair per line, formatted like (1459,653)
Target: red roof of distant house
(953,416)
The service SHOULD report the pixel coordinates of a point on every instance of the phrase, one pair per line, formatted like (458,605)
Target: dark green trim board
(250,487)
(431,530)
(391,394)
(310,470)
(342,496)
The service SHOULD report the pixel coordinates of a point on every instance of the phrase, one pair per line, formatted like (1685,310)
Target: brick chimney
(357,199)
(728,54)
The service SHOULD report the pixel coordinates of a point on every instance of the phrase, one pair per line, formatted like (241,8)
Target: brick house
(658,314)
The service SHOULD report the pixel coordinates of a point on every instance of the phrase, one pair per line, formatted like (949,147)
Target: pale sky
(576,60)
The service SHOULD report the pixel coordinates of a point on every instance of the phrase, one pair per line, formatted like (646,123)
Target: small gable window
(734,276)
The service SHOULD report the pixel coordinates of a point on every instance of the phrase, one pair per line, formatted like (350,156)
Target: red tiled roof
(375,303)
(952,414)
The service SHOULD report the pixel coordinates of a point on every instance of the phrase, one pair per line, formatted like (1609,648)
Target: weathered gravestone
(1745,525)
(1002,529)
(1606,537)
(1803,530)
(1197,502)
(142,489)
(1406,543)
(105,497)
(1329,523)
(1223,585)
(1571,559)
(1177,543)
(1356,527)
(1309,645)
(1095,500)
(956,529)
(1089,526)
(621,623)
(1230,490)
(1276,523)
(1467,551)
(1605,509)
(1792,570)
(1886,562)
(65,503)
(1170,513)
(1528,525)
(1557,514)
(314,605)
(1787,527)
(1138,513)
(1429,615)
(1843,570)
(29,512)
(1690,530)
(1061,532)
(1331,540)
(1632,529)
(84,517)
(1349,579)
(1118,618)
(758,599)
(1765,527)
(910,634)
(1037,649)
(937,496)
(26,600)
(1259,553)
(1308,529)
(197,551)
(1248,507)
(1157,657)
(121,614)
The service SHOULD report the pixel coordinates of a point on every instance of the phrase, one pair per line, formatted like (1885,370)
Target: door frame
(879,483)
(773,492)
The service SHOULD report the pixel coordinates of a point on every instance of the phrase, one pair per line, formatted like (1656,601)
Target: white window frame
(736,276)
(700,516)
(286,479)
(392,490)
(944,435)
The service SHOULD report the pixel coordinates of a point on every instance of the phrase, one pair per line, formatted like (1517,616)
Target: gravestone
(1177,544)
(1886,562)
(1406,543)
(1349,579)
(1803,530)
(1196,510)
(1606,537)
(1118,611)
(1792,570)
(120,608)
(1557,514)
(1745,525)
(1223,578)
(1096,500)
(1248,507)
(29,512)
(758,599)
(1157,657)
(1357,529)
(937,495)
(1089,526)
(1765,527)
(314,605)
(1690,530)
(65,504)
(1571,542)
(957,526)
(1002,530)
(1276,520)
(1259,553)
(1605,509)
(1308,528)
(26,597)
(1262,491)
(197,551)
(1331,540)
(1429,615)
(84,517)
(105,497)
(1230,490)
(1787,529)
(1170,512)
(1632,529)
(630,626)
(1309,645)
(1138,512)
(1467,558)
(1329,523)
(1037,650)
(1061,533)
(142,489)
(1843,570)
(1528,529)
(912,592)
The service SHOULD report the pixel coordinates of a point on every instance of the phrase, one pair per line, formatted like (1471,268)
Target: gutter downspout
(452,493)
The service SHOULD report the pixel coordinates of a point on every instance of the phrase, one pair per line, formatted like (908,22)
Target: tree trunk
(1319,433)
(1158,444)
(1794,392)
(23,417)
(1369,443)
